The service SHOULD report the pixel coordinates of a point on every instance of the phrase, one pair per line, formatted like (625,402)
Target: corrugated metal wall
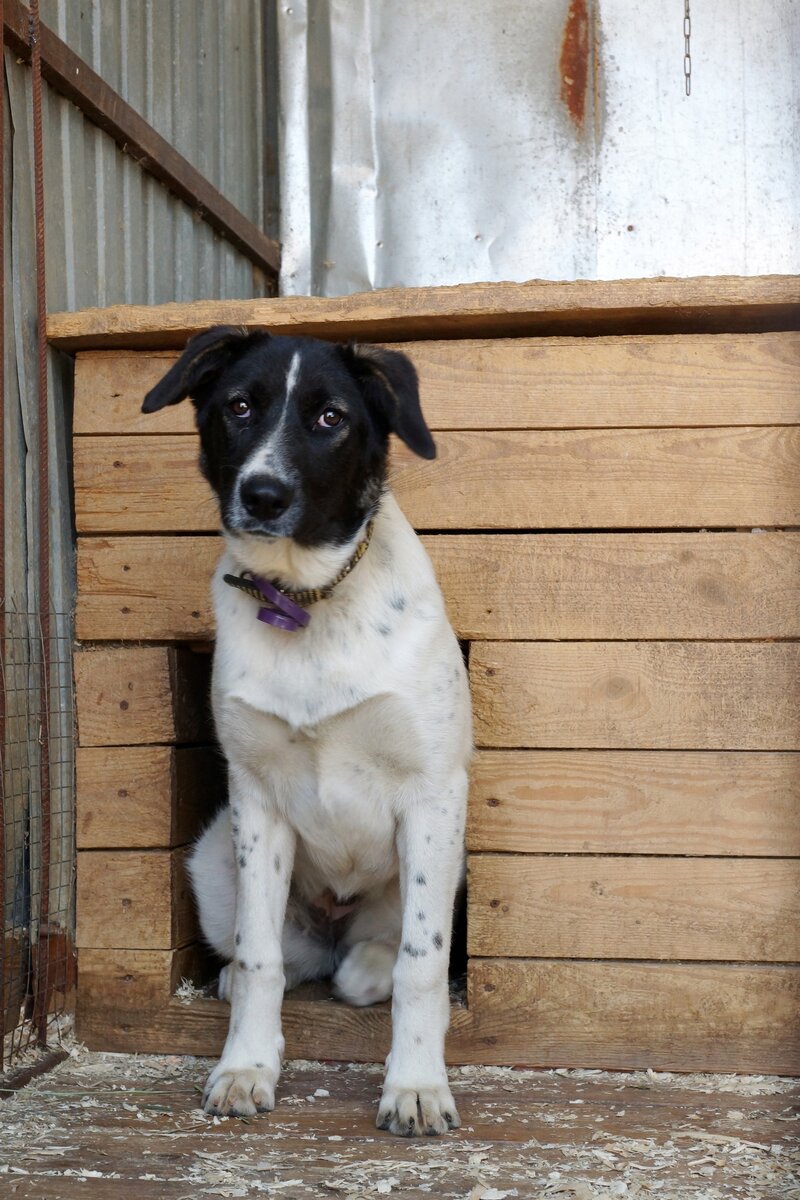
(195,70)
(431,143)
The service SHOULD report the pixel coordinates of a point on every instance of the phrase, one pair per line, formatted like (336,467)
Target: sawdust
(566,1135)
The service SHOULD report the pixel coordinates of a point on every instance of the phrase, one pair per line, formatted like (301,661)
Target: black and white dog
(348,735)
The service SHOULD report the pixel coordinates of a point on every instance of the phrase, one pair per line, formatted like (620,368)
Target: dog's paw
(365,975)
(225,983)
(239,1092)
(411,1112)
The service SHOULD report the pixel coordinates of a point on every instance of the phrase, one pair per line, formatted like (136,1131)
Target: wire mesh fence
(37,872)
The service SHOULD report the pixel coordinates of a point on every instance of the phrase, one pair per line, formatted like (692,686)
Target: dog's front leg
(243,1082)
(416,1097)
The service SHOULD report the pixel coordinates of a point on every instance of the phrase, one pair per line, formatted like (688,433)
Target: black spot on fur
(243,965)
(398,603)
(242,860)
(238,939)
(428,838)
(420,915)
(258,1066)
(255,838)
(420,879)
(413,951)
(437,941)
(277,861)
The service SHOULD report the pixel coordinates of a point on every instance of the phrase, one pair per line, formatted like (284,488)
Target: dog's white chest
(335,786)
(346,722)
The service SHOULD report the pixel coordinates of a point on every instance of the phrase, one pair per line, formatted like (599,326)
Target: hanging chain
(687,49)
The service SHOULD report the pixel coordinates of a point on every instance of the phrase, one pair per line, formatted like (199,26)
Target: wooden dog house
(614,518)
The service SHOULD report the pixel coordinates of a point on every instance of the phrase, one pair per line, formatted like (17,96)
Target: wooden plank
(557,479)
(134,899)
(517,586)
(615,1015)
(109,388)
(74,79)
(135,695)
(136,979)
(745,909)
(636,695)
(137,797)
(520,383)
(141,484)
(628,1016)
(722,304)
(635,802)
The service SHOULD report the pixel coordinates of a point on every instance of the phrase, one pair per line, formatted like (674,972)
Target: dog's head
(294,431)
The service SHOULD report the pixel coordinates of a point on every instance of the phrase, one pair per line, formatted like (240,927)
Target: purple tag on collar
(284,614)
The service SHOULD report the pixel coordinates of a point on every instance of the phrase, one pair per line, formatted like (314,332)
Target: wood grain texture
(636,695)
(744,909)
(136,979)
(557,479)
(110,386)
(137,797)
(518,586)
(519,383)
(622,1016)
(627,1016)
(635,802)
(134,899)
(134,695)
(724,304)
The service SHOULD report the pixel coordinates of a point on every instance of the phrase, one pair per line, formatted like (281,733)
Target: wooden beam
(549,479)
(720,802)
(546,1013)
(134,899)
(631,906)
(144,797)
(69,75)
(726,304)
(636,695)
(497,586)
(629,1016)
(138,695)
(519,383)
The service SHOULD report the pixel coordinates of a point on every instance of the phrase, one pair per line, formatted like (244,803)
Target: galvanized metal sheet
(430,143)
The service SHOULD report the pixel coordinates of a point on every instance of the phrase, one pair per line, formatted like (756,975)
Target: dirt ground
(108,1125)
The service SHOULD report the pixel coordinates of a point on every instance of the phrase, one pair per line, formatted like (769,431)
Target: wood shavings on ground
(104,1125)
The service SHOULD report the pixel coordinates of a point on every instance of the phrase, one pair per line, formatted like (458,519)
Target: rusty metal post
(42,963)
(2,539)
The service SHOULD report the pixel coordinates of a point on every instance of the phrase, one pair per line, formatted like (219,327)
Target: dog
(341,703)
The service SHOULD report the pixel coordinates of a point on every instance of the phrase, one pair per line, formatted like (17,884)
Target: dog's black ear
(204,357)
(389,383)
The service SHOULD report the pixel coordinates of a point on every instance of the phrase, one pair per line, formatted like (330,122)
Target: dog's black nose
(265,497)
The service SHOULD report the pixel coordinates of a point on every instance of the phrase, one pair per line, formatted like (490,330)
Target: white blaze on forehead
(269,457)
(292,374)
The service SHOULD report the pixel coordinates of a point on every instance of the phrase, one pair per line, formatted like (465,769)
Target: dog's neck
(289,564)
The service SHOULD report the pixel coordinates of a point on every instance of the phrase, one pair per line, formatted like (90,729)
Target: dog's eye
(239,407)
(329,419)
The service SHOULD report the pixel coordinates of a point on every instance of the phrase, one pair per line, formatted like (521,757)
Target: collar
(285,608)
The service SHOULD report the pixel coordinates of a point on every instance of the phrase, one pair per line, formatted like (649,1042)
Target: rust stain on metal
(575,60)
